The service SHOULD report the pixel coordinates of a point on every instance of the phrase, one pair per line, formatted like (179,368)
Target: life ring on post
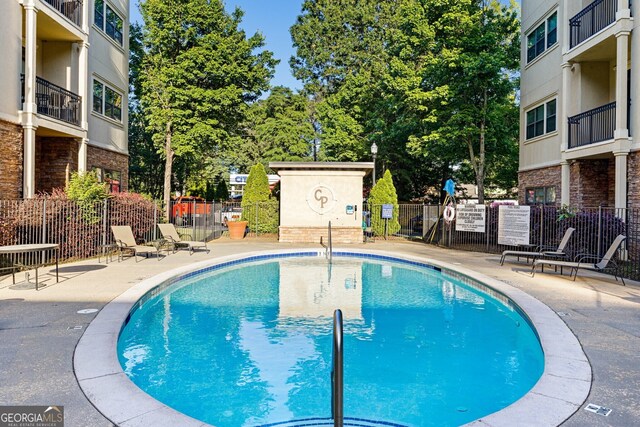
(449,213)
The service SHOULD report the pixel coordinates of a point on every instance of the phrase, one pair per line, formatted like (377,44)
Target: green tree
(258,207)
(384,193)
(199,73)
(86,190)
(222,192)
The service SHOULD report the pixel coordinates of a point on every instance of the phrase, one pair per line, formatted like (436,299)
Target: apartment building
(64,76)
(578,116)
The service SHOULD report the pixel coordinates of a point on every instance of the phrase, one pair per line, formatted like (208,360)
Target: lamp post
(374,151)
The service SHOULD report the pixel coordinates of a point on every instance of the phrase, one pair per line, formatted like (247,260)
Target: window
(540,196)
(105,18)
(111,177)
(542,38)
(541,119)
(107,101)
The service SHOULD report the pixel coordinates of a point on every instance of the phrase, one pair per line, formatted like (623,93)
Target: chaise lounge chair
(125,241)
(582,261)
(559,252)
(170,234)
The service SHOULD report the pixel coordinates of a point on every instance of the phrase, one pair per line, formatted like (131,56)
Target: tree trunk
(481,153)
(168,169)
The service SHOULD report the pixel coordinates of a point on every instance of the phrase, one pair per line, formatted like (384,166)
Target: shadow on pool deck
(39,330)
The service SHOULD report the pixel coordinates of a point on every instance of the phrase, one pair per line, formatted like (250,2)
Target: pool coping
(560,391)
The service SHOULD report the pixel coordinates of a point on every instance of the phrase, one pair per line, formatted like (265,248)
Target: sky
(272,18)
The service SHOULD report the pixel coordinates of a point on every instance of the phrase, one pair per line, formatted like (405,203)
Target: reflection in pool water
(251,344)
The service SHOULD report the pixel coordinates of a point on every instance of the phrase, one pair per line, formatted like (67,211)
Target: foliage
(199,72)
(258,207)
(430,82)
(384,192)
(84,187)
(222,192)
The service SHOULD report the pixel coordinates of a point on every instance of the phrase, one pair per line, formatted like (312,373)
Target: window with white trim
(541,119)
(542,37)
(105,18)
(107,101)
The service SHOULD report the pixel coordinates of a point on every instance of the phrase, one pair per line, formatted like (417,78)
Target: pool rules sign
(471,218)
(513,225)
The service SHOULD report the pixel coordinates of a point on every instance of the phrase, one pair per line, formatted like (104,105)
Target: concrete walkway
(39,330)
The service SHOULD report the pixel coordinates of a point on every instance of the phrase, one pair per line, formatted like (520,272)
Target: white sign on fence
(513,225)
(471,218)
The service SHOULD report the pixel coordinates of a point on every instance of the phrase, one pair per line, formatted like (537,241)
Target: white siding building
(65,81)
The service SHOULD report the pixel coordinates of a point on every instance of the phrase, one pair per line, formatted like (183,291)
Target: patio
(39,330)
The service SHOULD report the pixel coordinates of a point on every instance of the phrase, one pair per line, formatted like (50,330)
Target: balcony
(591,20)
(72,9)
(55,101)
(592,126)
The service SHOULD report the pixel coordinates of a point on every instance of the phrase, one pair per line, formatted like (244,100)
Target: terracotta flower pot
(237,229)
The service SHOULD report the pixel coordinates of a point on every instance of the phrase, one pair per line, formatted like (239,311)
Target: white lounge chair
(583,261)
(558,252)
(170,234)
(125,241)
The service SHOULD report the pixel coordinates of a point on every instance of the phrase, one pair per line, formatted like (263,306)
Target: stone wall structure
(56,160)
(109,160)
(10,160)
(543,177)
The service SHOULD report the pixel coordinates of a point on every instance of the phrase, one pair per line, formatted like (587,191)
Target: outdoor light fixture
(374,151)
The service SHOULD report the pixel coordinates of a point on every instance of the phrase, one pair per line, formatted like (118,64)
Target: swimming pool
(250,343)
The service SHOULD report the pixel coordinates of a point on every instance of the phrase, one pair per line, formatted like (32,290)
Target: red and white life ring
(449,213)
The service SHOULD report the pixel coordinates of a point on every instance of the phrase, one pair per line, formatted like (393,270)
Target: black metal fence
(592,126)
(591,20)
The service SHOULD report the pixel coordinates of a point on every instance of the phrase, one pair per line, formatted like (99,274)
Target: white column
(83,82)
(29,107)
(82,155)
(622,58)
(621,179)
(635,82)
(565,188)
(565,96)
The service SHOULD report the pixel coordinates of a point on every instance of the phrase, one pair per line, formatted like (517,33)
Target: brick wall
(339,235)
(633,179)
(56,160)
(11,143)
(590,183)
(105,159)
(544,177)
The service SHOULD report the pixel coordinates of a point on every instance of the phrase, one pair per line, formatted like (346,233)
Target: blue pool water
(250,344)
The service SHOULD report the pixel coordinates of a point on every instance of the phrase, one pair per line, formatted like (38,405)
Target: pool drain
(87,311)
(597,409)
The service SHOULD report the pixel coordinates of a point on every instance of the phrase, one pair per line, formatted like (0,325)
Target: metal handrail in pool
(329,246)
(337,372)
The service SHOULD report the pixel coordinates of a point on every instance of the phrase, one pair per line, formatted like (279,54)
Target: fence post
(44,225)
(104,222)
(193,221)
(155,221)
(541,226)
(599,228)
(257,219)
(206,221)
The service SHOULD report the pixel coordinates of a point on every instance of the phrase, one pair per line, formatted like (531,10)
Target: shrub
(384,192)
(258,207)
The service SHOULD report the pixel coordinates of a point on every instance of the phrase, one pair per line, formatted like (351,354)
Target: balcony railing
(55,101)
(72,9)
(592,126)
(591,20)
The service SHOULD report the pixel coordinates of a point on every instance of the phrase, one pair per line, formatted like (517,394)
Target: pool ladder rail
(329,246)
(337,372)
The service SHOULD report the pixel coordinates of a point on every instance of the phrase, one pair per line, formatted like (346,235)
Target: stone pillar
(29,107)
(565,188)
(621,179)
(622,58)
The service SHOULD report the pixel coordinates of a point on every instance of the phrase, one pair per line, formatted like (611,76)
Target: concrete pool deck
(39,330)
